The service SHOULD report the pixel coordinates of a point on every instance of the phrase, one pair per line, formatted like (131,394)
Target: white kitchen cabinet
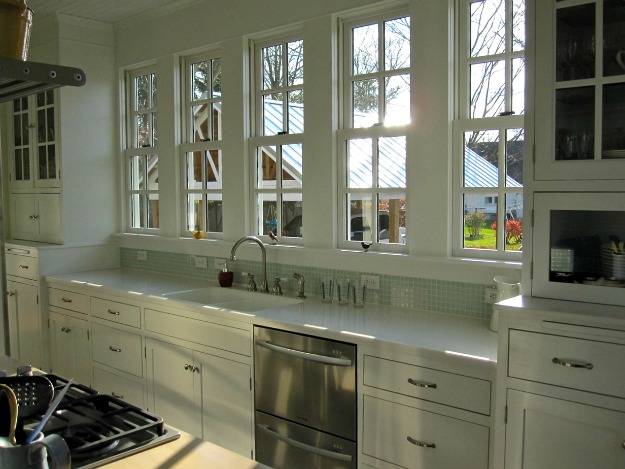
(546,432)
(70,347)
(422,414)
(206,395)
(36,217)
(125,387)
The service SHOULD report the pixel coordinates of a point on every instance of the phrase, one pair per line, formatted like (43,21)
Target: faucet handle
(251,284)
(276,289)
(300,285)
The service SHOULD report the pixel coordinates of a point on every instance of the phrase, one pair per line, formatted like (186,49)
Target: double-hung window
(489,130)
(277,141)
(201,149)
(373,134)
(141,151)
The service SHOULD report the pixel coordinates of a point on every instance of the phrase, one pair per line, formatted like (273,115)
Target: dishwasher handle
(305,355)
(298,444)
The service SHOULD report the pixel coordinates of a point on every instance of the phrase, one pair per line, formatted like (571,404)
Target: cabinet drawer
(22,266)
(117,349)
(460,391)
(411,437)
(207,333)
(116,312)
(583,364)
(118,386)
(68,300)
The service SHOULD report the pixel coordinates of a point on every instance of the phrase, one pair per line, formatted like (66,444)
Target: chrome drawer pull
(113,349)
(118,396)
(116,313)
(421,384)
(303,446)
(572,363)
(305,355)
(66,300)
(22,266)
(66,329)
(420,443)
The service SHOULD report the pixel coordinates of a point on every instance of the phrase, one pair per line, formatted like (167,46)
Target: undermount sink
(232,299)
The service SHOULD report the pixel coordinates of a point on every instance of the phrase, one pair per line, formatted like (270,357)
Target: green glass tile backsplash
(460,298)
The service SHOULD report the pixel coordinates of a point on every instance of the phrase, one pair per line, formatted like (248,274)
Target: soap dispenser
(225,277)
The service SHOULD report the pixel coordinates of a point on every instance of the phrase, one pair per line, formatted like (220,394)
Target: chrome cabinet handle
(22,266)
(305,355)
(572,363)
(113,349)
(196,369)
(118,396)
(187,366)
(116,313)
(422,384)
(420,443)
(66,300)
(66,329)
(33,217)
(298,444)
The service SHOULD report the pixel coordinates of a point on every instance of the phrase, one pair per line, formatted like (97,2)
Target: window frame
(133,150)
(258,140)
(463,122)
(348,132)
(187,145)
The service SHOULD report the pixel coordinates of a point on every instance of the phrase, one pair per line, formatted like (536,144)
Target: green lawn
(486,240)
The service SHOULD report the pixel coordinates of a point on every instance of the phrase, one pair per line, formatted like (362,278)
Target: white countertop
(439,332)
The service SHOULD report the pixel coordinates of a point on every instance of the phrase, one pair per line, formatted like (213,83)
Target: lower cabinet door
(170,386)
(226,397)
(123,388)
(24,323)
(415,438)
(545,432)
(71,357)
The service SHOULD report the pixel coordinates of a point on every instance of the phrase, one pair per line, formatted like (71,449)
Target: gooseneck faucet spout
(264,287)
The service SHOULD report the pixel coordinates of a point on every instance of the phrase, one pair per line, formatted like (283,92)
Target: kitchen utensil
(33,393)
(8,413)
(45,452)
(51,409)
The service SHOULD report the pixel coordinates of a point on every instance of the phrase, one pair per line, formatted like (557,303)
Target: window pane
(153,217)
(365,103)
(195,213)
(397,43)
(397,100)
(194,170)
(480,217)
(154,129)
(201,129)
(267,213)
(295,63)
(213,169)
(292,215)
(296,111)
(273,112)
(515,140)
(392,219)
(143,132)
(137,173)
(360,163)
(481,157)
(518,25)
(392,162)
(199,80)
(138,208)
(266,167)
(292,166)
(359,216)
(488,86)
(142,92)
(575,123)
(216,82)
(365,49)
(488,27)
(271,67)
(214,210)
(518,86)
(514,222)
(153,90)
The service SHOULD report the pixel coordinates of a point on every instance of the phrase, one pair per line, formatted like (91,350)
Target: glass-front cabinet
(580,89)
(579,246)
(34,161)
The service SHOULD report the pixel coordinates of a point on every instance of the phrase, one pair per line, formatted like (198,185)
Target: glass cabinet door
(580,89)
(47,173)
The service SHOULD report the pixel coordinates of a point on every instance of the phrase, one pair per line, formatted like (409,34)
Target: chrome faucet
(300,285)
(263,286)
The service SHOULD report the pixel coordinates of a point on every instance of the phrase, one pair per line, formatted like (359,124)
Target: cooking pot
(15,22)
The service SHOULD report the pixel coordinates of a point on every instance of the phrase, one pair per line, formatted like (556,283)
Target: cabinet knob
(420,443)
(10,293)
(113,349)
(196,369)
(187,366)
(33,217)
(67,330)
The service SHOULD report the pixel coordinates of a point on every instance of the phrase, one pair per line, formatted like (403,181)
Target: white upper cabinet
(580,90)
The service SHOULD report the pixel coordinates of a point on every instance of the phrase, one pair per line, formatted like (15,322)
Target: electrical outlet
(201,262)
(219,263)
(142,255)
(372,281)
(490,295)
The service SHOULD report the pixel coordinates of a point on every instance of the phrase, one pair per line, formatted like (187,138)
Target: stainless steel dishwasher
(305,401)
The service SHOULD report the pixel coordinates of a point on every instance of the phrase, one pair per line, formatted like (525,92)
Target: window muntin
(373,140)
(141,156)
(489,135)
(201,149)
(277,144)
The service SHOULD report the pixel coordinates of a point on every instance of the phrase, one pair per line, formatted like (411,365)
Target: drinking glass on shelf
(327,287)
(359,294)
(342,291)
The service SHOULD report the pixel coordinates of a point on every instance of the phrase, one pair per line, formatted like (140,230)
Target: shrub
(474,221)
(514,231)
